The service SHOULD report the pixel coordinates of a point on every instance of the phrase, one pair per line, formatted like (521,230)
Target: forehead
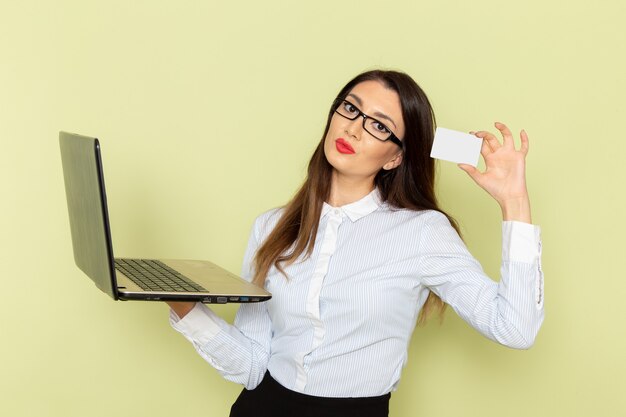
(375,97)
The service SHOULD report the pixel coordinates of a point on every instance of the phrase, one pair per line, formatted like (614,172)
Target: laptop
(133,279)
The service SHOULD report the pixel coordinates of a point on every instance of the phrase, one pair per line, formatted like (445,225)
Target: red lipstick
(343,146)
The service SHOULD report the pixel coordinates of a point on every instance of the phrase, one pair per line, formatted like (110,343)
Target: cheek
(326,147)
(336,126)
(328,142)
(378,154)
(334,131)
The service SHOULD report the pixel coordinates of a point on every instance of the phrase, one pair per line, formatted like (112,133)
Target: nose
(354,128)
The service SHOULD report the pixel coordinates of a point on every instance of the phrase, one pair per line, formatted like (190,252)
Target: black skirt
(270,399)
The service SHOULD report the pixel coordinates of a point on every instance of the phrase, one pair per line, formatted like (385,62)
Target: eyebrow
(377,114)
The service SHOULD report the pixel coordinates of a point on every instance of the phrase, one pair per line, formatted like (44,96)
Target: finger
(506,134)
(490,138)
(485,149)
(524,136)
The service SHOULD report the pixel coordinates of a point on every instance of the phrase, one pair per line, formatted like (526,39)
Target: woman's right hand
(504,177)
(181,308)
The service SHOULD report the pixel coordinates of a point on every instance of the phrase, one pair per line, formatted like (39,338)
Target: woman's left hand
(504,177)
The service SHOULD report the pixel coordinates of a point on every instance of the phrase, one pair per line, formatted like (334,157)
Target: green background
(208,113)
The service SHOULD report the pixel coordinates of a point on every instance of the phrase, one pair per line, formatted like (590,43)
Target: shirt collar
(358,209)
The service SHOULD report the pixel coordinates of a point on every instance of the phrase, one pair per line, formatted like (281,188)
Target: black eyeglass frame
(392,137)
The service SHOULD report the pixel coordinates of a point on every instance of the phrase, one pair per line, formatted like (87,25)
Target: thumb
(472,171)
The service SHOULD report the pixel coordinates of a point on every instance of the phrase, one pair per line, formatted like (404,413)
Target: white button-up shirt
(340,324)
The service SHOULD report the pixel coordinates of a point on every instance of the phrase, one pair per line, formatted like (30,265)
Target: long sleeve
(340,324)
(239,352)
(509,312)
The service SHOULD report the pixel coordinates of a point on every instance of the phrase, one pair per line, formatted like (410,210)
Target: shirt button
(337,212)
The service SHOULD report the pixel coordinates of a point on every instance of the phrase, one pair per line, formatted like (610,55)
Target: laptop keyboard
(153,275)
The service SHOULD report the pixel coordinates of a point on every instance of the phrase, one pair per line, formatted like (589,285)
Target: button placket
(327,249)
(539,284)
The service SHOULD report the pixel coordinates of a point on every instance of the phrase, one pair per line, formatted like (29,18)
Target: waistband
(272,384)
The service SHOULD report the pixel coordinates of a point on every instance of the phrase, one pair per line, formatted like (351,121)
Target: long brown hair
(408,186)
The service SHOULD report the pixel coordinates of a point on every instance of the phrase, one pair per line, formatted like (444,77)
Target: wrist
(181,308)
(517,209)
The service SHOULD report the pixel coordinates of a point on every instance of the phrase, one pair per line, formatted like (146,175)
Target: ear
(393,163)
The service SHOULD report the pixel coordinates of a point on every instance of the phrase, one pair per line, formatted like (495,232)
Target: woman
(359,255)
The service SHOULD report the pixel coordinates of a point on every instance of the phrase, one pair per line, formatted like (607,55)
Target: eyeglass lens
(372,126)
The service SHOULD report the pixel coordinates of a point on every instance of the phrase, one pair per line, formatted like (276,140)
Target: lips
(343,146)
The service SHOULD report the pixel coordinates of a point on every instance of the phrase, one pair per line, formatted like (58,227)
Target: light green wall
(208,113)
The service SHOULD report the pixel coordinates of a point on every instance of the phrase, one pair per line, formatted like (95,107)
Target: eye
(349,108)
(380,127)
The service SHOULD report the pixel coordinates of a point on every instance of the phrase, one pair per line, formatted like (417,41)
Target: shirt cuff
(521,242)
(199,325)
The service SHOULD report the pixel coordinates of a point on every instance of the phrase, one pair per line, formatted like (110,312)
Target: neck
(345,190)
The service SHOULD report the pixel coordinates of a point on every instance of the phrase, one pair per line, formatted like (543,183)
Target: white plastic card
(454,146)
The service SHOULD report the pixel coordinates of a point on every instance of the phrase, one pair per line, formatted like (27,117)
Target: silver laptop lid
(86,202)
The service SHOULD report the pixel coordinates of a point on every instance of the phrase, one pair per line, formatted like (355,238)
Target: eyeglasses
(372,126)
